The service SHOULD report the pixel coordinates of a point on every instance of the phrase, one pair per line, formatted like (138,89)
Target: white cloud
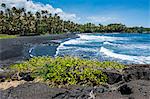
(34,6)
(100,19)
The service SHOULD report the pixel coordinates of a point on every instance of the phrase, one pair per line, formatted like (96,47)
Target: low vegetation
(4,36)
(66,70)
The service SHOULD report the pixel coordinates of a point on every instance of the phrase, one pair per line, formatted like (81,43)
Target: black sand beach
(16,49)
(133,83)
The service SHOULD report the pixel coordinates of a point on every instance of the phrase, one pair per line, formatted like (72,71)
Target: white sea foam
(100,38)
(62,47)
(30,51)
(140,46)
(58,49)
(129,46)
(108,43)
(72,41)
(136,59)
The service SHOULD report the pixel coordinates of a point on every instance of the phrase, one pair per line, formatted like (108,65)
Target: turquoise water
(125,48)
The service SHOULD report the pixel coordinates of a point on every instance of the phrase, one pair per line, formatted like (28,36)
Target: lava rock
(113,77)
(26,76)
(125,90)
(141,72)
(31,91)
(6,75)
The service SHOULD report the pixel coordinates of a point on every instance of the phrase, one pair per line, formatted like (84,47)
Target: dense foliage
(19,21)
(66,70)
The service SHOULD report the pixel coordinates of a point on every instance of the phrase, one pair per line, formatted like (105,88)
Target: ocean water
(120,47)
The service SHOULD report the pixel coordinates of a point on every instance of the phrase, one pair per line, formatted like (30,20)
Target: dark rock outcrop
(42,91)
(138,89)
(137,72)
(125,90)
(113,77)
(26,77)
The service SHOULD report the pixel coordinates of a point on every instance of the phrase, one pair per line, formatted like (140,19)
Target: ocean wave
(68,42)
(87,44)
(136,59)
(100,38)
(108,43)
(128,46)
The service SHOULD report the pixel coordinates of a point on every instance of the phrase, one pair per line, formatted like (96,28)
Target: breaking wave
(100,38)
(135,59)
(124,48)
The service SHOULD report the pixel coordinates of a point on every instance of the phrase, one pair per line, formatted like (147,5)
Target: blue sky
(129,12)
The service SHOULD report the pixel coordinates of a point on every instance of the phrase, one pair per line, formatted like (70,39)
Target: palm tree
(37,21)
(3,5)
(1,21)
(18,21)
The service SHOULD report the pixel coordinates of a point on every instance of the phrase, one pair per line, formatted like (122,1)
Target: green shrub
(66,70)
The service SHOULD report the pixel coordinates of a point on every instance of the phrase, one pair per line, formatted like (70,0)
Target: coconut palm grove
(18,21)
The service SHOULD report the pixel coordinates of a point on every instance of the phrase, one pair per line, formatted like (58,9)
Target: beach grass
(5,36)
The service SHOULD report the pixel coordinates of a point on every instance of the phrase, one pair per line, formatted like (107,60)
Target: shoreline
(22,47)
(17,49)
